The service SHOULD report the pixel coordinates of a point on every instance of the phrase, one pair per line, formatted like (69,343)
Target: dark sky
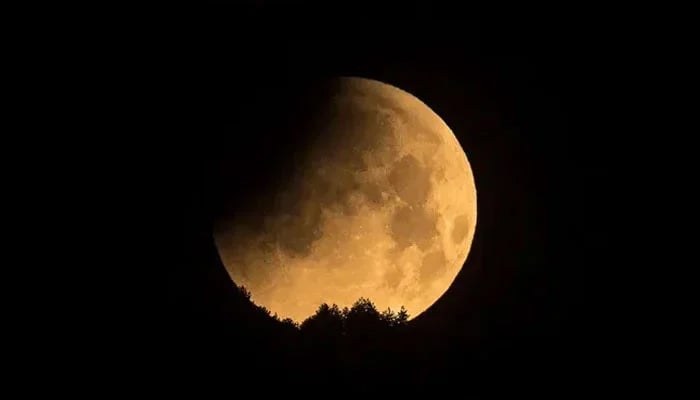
(512,90)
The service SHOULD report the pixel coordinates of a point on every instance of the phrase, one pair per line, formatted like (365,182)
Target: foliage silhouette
(335,345)
(328,319)
(351,342)
(362,318)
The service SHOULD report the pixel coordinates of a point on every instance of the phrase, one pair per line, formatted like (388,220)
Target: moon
(381,204)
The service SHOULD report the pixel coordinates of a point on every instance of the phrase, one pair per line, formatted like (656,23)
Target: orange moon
(381,205)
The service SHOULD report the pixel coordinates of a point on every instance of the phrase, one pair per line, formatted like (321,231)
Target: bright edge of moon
(382,206)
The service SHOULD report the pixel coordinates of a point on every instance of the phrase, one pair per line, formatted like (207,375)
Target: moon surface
(381,205)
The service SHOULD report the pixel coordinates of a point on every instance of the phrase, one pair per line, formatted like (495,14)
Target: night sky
(226,85)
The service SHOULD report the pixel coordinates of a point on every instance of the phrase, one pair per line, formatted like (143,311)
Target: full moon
(381,204)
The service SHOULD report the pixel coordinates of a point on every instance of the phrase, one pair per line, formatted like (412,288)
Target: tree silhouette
(401,318)
(327,321)
(361,319)
(388,316)
(289,322)
(357,346)
(244,292)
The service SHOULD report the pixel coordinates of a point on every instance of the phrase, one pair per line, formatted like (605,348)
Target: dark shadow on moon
(280,128)
(373,94)
(323,176)
(343,138)
(329,144)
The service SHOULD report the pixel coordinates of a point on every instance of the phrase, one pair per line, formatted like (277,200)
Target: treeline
(359,347)
(332,320)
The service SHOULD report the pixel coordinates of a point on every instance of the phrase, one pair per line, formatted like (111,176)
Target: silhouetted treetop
(362,318)
(290,322)
(327,319)
(244,291)
(364,307)
(402,317)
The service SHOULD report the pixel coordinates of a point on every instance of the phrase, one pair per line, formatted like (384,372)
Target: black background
(224,89)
